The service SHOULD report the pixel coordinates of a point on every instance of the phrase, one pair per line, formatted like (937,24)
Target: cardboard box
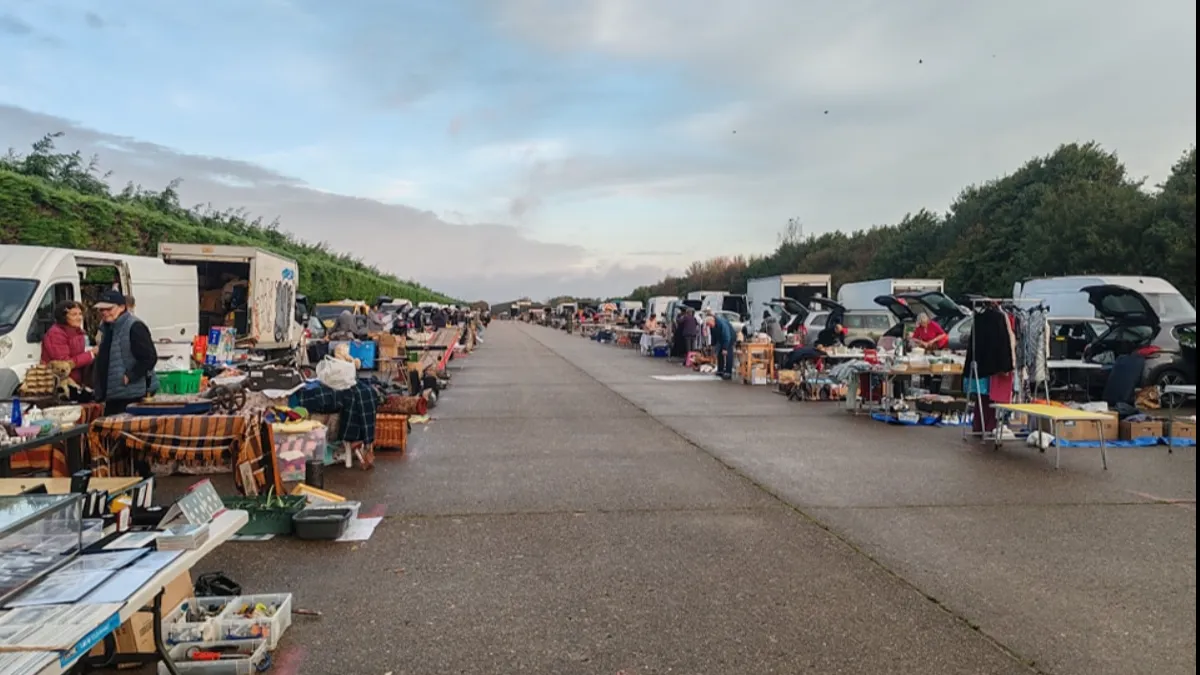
(136,636)
(1131,431)
(1181,429)
(1080,430)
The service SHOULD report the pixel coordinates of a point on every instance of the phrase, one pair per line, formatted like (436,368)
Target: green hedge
(36,213)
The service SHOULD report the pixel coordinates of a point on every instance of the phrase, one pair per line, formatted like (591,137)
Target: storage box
(363,350)
(292,450)
(254,653)
(391,431)
(179,381)
(193,620)
(1083,430)
(389,346)
(231,626)
(1181,429)
(1131,431)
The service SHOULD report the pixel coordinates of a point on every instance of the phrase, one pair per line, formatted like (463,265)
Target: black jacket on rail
(990,346)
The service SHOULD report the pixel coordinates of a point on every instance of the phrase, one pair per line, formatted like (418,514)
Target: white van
(659,304)
(1063,296)
(34,279)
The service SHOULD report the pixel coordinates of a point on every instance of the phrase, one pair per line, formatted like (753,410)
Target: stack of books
(182,537)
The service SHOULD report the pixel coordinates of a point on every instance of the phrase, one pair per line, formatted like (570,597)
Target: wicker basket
(391,432)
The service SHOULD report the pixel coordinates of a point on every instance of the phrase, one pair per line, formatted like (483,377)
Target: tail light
(1148,351)
(307,333)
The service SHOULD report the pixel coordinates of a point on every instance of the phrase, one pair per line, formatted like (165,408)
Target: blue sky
(611,140)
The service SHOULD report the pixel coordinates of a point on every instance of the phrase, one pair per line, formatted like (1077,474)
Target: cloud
(94,20)
(853,113)
(476,261)
(14,25)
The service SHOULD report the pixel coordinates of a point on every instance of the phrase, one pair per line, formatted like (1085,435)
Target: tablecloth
(241,442)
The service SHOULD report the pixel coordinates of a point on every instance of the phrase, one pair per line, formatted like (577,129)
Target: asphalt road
(564,513)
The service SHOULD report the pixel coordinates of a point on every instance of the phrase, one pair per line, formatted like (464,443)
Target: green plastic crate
(179,382)
(268,515)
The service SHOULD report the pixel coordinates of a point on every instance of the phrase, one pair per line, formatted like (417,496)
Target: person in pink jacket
(65,340)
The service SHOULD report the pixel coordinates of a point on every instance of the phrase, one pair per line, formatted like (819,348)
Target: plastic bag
(336,374)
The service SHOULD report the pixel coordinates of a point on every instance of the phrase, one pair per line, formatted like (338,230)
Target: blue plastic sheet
(1136,443)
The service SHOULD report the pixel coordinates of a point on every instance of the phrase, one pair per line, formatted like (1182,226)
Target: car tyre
(1168,375)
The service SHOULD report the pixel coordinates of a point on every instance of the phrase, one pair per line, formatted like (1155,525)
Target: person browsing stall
(126,358)
(928,334)
(66,341)
(723,338)
(833,334)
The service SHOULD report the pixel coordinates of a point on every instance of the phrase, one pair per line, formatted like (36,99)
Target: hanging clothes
(1035,346)
(991,345)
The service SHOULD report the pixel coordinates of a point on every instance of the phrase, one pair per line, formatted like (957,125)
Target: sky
(493,149)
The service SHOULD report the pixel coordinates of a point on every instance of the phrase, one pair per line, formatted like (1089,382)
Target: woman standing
(66,341)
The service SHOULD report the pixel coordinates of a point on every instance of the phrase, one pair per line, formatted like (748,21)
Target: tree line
(1074,211)
(49,198)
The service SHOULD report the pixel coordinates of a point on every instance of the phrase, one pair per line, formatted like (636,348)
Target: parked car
(947,313)
(1134,327)
(801,320)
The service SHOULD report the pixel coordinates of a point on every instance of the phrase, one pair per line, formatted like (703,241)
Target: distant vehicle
(725,302)
(700,295)
(1066,296)
(659,303)
(328,312)
(860,295)
(805,322)
(763,291)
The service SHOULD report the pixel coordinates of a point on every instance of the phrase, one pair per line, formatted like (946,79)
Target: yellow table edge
(1053,412)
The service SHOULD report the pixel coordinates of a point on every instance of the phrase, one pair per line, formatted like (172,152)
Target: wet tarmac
(564,513)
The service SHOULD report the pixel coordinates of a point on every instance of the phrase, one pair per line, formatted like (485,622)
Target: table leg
(159,645)
(1103,448)
(76,456)
(1057,442)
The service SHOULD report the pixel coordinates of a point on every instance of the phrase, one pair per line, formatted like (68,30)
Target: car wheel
(1165,377)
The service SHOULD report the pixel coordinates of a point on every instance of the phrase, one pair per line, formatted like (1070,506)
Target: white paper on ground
(688,377)
(360,529)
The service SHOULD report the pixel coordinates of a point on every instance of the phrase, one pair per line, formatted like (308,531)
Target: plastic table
(1057,415)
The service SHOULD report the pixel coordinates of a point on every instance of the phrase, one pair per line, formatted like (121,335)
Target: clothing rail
(972,369)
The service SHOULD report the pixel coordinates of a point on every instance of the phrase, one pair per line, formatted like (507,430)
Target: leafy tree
(1074,211)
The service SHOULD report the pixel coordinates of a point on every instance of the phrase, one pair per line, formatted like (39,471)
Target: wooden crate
(391,432)
(752,356)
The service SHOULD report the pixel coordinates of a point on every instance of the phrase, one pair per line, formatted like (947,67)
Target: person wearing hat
(124,365)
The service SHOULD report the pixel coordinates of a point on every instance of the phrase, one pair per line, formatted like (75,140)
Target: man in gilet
(124,367)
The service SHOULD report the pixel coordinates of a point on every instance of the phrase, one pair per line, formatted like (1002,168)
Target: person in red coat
(65,340)
(929,335)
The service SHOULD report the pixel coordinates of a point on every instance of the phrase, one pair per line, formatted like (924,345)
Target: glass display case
(38,534)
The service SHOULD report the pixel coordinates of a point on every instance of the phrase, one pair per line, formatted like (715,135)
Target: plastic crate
(276,519)
(363,350)
(179,381)
(253,651)
(231,627)
(185,624)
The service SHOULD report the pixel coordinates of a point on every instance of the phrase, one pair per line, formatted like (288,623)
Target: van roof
(1074,283)
(27,261)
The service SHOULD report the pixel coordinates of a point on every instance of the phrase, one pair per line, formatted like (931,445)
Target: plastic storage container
(324,524)
(230,626)
(179,381)
(193,620)
(254,653)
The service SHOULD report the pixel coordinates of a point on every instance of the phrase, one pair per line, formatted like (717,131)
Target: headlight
(5,346)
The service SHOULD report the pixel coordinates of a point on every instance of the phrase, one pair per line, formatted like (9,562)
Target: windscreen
(329,311)
(14,297)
